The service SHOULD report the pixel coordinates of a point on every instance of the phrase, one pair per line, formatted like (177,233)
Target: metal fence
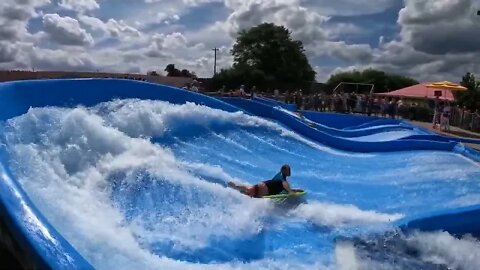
(465,119)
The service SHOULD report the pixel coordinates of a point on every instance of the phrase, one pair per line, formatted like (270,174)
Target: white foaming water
(443,248)
(64,159)
(435,249)
(428,164)
(335,215)
(345,256)
(154,118)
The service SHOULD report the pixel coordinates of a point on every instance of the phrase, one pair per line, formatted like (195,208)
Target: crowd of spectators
(347,103)
(371,105)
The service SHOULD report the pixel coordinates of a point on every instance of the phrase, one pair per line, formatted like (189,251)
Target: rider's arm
(286,186)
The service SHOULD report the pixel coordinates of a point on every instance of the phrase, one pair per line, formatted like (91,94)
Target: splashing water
(141,184)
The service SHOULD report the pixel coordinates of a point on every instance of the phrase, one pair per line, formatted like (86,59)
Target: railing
(465,119)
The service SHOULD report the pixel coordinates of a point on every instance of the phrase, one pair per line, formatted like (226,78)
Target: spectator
(316,102)
(288,98)
(221,91)
(242,91)
(445,117)
(369,104)
(252,91)
(352,101)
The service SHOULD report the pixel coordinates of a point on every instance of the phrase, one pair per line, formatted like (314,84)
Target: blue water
(141,184)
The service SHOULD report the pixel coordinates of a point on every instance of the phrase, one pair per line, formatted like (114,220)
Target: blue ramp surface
(119,174)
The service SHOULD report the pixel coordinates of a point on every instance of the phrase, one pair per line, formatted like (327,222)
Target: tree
(471,97)
(269,49)
(153,73)
(381,80)
(172,71)
(187,73)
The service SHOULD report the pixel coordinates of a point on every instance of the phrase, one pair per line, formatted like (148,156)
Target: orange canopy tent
(420,91)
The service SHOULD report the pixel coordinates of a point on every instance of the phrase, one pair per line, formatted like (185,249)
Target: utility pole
(215,61)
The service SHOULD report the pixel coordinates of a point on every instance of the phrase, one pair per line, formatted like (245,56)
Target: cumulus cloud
(189,3)
(160,44)
(164,17)
(438,40)
(28,55)
(304,24)
(114,28)
(349,7)
(79,5)
(421,21)
(14,16)
(61,60)
(418,49)
(338,30)
(7,52)
(16,13)
(356,53)
(65,31)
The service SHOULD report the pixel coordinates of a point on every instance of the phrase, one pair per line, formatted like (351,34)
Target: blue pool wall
(460,221)
(38,238)
(341,121)
(333,141)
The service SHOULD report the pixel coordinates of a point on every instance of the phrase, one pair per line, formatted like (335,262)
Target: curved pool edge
(299,126)
(32,232)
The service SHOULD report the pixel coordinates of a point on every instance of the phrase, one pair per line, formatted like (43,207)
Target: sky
(428,40)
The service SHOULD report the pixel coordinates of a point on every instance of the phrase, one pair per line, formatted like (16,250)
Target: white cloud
(114,28)
(438,41)
(28,55)
(14,16)
(140,40)
(304,24)
(193,3)
(93,22)
(8,52)
(62,60)
(161,43)
(118,28)
(353,53)
(187,3)
(213,35)
(441,26)
(338,30)
(79,5)
(165,18)
(349,7)
(66,31)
